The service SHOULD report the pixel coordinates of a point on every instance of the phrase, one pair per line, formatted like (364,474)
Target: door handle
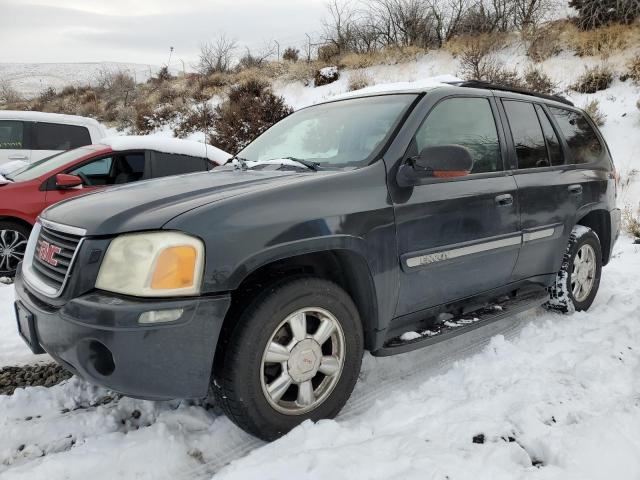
(575,189)
(504,200)
(17,157)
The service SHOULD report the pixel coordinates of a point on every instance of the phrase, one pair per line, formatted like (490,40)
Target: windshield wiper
(315,166)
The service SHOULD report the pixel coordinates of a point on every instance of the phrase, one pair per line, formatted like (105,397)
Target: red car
(25,192)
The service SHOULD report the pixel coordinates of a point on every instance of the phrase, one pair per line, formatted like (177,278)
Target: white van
(31,136)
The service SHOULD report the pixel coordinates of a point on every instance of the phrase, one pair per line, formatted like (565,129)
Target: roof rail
(493,86)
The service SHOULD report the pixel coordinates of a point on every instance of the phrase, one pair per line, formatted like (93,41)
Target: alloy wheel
(583,273)
(302,361)
(12,248)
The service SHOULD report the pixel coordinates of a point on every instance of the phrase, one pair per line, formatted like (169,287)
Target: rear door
(51,138)
(457,237)
(166,164)
(14,136)
(550,189)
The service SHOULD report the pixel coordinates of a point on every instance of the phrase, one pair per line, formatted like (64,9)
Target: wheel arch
(18,220)
(345,267)
(599,221)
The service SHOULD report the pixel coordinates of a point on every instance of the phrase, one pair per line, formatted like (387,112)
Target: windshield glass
(338,134)
(46,165)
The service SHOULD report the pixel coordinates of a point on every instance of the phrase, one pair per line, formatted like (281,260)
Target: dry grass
(603,41)
(538,81)
(592,108)
(633,69)
(358,80)
(486,42)
(593,80)
(545,41)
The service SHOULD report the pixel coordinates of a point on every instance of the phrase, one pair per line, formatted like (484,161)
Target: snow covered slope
(29,79)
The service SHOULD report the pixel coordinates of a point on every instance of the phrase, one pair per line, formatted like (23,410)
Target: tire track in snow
(379,376)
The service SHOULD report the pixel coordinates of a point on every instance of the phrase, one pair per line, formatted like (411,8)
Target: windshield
(338,134)
(46,165)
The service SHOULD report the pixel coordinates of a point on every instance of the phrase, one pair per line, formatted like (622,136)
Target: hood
(150,204)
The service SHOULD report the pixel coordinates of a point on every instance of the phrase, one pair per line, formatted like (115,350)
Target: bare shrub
(216,56)
(538,81)
(593,80)
(478,62)
(250,109)
(47,95)
(544,42)
(255,60)
(358,81)
(596,13)
(528,14)
(291,54)
(8,94)
(198,119)
(592,109)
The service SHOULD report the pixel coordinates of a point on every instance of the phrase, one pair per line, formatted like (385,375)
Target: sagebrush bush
(593,80)
(633,69)
(291,54)
(631,222)
(197,119)
(249,110)
(592,108)
(596,13)
(538,81)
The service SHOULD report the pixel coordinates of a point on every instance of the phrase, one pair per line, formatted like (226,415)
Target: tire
(581,266)
(13,242)
(244,372)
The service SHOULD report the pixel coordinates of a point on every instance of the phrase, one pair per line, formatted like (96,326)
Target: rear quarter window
(54,136)
(11,135)
(165,164)
(583,142)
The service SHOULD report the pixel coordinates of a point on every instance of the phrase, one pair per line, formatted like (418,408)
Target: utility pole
(170,53)
(278,49)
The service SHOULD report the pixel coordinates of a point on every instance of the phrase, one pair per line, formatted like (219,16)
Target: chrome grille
(53,255)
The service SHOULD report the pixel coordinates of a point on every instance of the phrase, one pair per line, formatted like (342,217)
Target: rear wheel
(294,354)
(578,281)
(13,242)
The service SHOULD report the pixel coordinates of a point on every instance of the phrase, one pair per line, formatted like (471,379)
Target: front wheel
(294,354)
(13,243)
(577,282)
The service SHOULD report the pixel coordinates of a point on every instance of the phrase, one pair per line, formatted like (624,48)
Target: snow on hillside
(30,79)
(544,395)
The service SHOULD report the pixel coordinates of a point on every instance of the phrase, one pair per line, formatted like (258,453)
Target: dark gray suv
(341,228)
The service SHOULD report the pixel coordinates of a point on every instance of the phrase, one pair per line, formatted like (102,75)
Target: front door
(458,237)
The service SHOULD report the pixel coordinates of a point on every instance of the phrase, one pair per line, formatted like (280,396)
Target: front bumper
(98,337)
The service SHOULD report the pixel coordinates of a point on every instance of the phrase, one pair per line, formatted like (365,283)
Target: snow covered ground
(544,395)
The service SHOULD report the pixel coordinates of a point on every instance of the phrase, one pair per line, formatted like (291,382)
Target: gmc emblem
(47,252)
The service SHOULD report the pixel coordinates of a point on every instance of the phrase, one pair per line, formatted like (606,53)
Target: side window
(129,168)
(166,164)
(553,144)
(582,140)
(11,135)
(97,171)
(531,149)
(467,122)
(54,136)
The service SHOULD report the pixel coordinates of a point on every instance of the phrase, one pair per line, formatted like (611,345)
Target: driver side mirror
(442,161)
(65,181)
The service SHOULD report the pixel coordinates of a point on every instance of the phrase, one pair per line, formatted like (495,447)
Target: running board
(466,323)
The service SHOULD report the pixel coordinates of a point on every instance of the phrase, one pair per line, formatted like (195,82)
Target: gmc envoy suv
(340,229)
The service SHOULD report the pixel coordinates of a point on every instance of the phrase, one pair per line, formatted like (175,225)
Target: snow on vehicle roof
(166,145)
(417,86)
(48,117)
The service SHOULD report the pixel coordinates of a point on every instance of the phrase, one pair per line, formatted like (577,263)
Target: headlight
(154,264)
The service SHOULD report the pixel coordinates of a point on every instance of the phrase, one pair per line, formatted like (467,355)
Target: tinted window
(170,164)
(467,122)
(553,144)
(53,136)
(11,135)
(531,149)
(129,168)
(583,141)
